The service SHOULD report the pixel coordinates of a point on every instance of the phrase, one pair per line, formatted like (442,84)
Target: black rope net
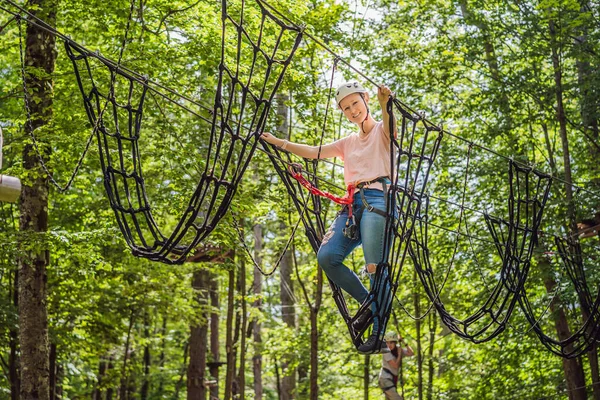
(581,339)
(251,68)
(514,239)
(250,71)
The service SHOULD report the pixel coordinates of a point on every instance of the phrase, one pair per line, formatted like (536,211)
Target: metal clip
(351,229)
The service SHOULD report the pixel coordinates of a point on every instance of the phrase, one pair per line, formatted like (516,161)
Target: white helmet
(348,88)
(391,337)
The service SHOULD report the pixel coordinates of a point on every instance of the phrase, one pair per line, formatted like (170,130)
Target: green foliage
(483,69)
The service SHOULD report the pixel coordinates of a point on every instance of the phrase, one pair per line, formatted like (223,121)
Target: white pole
(10,187)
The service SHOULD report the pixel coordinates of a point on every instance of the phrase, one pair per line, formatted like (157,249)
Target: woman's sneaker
(361,323)
(373,345)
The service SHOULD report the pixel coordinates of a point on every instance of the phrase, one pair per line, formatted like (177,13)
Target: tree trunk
(588,101)
(183,370)
(146,384)
(161,358)
(491,60)
(40,56)
(196,390)
(53,369)
(562,121)
(432,329)
(214,335)
(126,355)
(229,334)
(288,313)
(101,374)
(572,368)
(589,110)
(109,391)
(256,325)
(419,355)
(131,388)
(58,389)
(241,378)
(314,337)
(13,358)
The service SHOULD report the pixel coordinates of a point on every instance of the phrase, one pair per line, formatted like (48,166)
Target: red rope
(296,171)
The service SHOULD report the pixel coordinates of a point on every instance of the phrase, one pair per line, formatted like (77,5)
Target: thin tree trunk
(214,335)
(126,355)
(241,379)
(491,60)
(59,380)
(256,326)
(572,368)
(235,388)
(179,383)
(40,56)
(562,121)
(288,313)
(52,368)
(432,329)
(229,335)
(196,389)
(161,358)
(417,305)
(131,388)
(278,380)
(314,337)
(13,358)
(588,110)
(101,374)
(109,391)
(147,360)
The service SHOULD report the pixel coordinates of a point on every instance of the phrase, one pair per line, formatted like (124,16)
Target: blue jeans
(371,234)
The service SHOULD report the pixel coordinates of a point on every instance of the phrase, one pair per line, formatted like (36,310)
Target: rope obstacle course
(114,99)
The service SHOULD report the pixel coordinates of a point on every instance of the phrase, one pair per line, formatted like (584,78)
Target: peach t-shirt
(366,158)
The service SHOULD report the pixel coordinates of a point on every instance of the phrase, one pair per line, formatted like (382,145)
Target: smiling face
(390,344)
(354,107)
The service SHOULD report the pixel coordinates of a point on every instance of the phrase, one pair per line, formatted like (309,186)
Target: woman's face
(390,344)
(354,107)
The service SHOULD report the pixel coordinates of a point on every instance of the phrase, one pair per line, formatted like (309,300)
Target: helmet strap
(362,96)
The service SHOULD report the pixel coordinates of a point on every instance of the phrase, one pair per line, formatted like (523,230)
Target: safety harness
(351,229)
(394,380)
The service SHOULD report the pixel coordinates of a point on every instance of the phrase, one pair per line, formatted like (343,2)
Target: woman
(392,358)
(366,156)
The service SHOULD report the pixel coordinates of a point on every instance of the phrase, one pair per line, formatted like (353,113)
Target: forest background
(518,77)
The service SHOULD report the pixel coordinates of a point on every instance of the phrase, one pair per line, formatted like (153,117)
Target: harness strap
(369,207)
(394,380)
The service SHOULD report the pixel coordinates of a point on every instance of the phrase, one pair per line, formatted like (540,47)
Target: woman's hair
(395,351)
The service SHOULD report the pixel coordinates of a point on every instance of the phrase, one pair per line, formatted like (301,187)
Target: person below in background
(366,156)
(392,358)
